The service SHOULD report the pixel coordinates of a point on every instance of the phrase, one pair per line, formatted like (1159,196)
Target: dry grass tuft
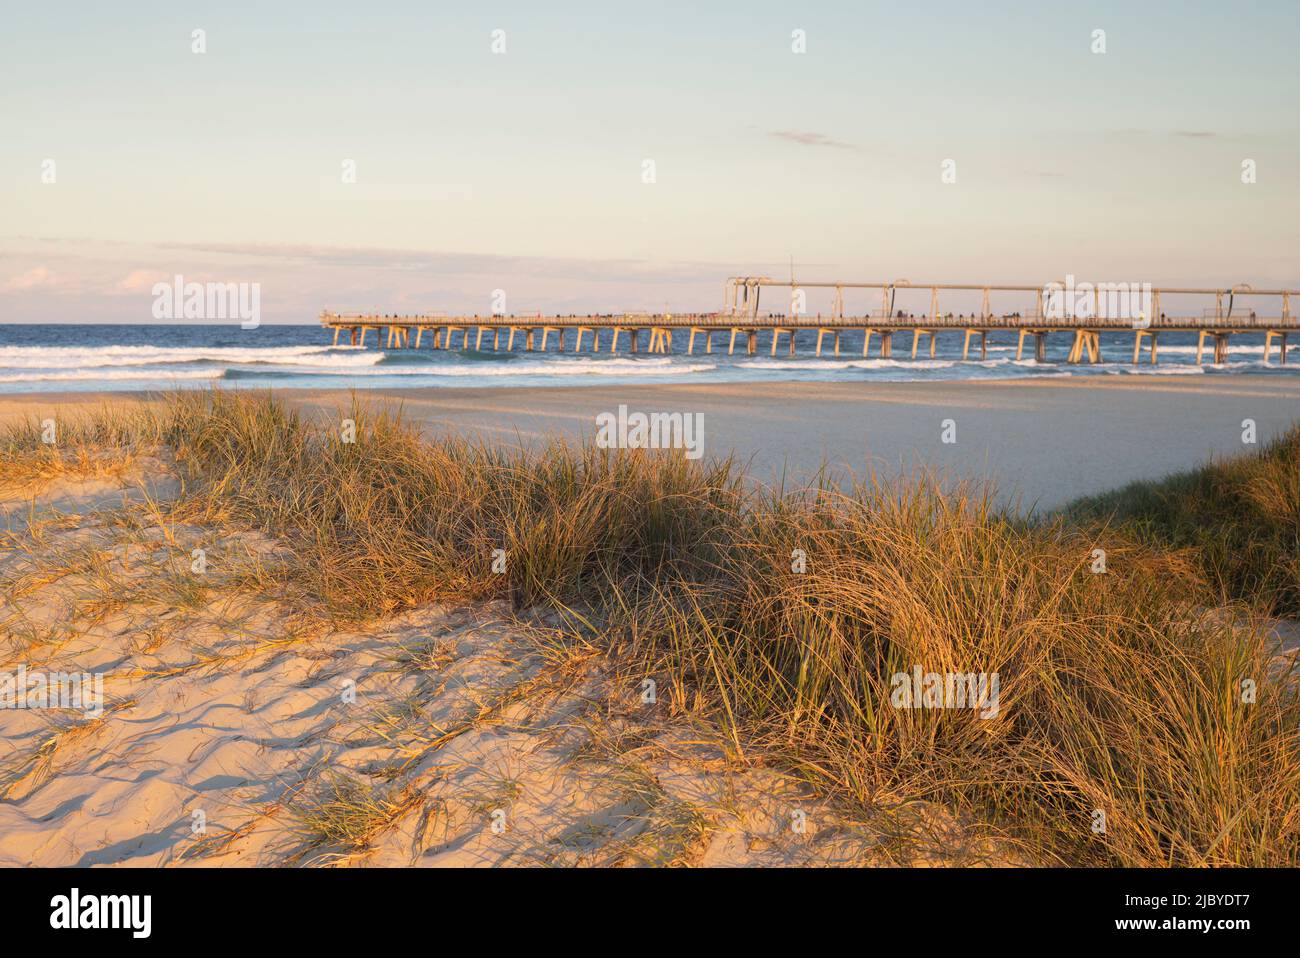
(102,444)
(1241,516)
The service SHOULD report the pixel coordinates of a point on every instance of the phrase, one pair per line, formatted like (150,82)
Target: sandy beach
(1043,441)
(239,721)
(229,730)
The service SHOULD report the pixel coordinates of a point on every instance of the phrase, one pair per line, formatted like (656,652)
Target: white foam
(47,357)
(84,375)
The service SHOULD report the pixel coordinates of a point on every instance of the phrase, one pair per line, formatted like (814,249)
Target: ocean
(66,357)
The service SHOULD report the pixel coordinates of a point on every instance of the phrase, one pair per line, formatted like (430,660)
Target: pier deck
(1235,310)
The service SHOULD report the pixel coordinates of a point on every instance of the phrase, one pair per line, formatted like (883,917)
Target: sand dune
(230,734)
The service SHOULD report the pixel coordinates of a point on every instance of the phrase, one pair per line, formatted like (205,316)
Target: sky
(611,156)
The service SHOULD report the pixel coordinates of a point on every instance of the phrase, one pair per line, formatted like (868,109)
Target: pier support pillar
(1040,347)
(1268,344)
(886,343)
(1086,342)
(1220,345)
(1137,344)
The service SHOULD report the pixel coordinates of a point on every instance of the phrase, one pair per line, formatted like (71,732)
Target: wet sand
(1046,441)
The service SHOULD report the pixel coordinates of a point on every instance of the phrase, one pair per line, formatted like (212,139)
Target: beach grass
(1141,716)
(1240,515)
(98,444)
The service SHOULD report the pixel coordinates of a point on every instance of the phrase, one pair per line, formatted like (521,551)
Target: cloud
(804,138)
(139,280)
(1196,134)
(36,278)
(449,264)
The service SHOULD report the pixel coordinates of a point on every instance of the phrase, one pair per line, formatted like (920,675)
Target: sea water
(67,357)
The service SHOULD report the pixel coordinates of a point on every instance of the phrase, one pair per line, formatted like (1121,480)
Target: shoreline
(1044,441)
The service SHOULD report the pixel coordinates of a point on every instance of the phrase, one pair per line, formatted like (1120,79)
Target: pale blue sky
(523,171)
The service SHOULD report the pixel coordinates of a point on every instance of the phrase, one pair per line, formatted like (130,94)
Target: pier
(1034,312)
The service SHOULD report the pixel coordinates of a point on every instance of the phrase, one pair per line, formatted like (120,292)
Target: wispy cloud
(1196,134)
(805,138)
(444,263)
(36,278)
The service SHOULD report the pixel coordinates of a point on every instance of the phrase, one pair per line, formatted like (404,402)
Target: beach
(1044,442)
(229,638)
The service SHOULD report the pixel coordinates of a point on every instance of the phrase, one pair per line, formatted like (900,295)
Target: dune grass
(1240,515)
(1124,697)
(98,444)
